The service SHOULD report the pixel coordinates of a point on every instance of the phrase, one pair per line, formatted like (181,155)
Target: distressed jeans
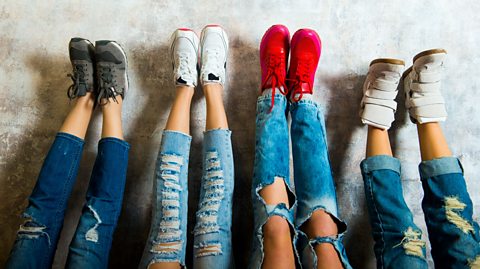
(313,187)
(212,233)
(453,234)
(38,236)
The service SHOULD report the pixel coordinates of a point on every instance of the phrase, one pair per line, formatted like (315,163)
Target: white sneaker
(424,100)
(213,55)
(380,89)
(184,55)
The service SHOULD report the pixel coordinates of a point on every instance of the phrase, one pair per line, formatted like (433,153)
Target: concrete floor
(34,63)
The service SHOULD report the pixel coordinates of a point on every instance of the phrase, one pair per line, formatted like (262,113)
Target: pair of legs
(165,248)
(314,235)
(38,236)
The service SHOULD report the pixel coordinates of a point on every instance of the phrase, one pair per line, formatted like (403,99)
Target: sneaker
(213,55)
(184,55)
(380,89)
(274,50)
(424,100)
(306,50)
(82,55)
(111,71)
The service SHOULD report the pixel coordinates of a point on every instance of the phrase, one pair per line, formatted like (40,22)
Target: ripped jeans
(38,236)
(212,233)
(453,234)
(314,187)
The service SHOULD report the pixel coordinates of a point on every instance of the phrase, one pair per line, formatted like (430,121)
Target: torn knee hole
(92,234)
(167,247)
(31,229)
(474,263)
(278,192)
(207,249)
(453,208)
(321,224)
(412,243)
(276,226)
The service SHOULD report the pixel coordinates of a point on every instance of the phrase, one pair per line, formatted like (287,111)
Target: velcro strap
(380,115)
(390,104)
(429,77)
(431,111)
(425,87)
(426,100)
(378,94)
(384,85)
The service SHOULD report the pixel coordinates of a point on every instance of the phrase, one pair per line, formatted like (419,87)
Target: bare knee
(320,224)
(276,227)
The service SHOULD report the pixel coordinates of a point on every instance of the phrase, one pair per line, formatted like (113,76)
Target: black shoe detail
(181,81)
(213,77)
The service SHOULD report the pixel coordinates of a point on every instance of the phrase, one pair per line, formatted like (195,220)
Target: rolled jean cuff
(440,166)
(178,133)
(380,162)
(226,131)
(123,143)
(71,137)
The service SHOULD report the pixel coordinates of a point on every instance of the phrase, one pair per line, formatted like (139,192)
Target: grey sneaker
(213,56)
(111,71)
(82,55)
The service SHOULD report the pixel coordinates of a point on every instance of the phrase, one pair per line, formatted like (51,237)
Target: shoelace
(276,76)
(302,75)
(106,86)
(78,78)
(184,68)
(212,62)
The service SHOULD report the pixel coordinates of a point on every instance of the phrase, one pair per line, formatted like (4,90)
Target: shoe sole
(126,66)
(428,52)
(387,61)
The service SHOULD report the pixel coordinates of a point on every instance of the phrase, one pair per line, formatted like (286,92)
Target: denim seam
(380,220)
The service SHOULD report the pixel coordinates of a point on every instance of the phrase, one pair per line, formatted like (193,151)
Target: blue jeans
(212,233)
(453,234)
(38,236)
(314,187)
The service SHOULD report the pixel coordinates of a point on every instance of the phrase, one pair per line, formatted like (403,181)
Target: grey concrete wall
(34,63)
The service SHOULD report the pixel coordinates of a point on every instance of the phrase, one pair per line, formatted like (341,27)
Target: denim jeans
(453,234)
(212,233)
(38,236)
(314,188)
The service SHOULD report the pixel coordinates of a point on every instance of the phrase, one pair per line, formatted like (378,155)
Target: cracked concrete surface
(34,63)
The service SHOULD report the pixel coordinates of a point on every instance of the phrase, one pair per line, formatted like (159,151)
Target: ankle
(87,100)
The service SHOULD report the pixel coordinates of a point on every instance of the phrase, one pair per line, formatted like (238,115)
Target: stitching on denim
(379,219)
(214,192)
(168,240)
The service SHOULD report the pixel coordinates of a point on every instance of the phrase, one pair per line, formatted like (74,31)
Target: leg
(454,234)
(273,200)
(166,245)
(39,234)
(92,241)
(212,232)
(397,239)
(317,214)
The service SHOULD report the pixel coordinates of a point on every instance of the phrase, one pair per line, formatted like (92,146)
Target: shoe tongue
(213,77)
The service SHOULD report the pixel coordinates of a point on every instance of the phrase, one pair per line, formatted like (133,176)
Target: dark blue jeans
(453,234)
(38,236)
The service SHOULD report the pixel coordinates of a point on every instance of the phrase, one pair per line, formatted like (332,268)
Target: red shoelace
(302,75)
(276,76)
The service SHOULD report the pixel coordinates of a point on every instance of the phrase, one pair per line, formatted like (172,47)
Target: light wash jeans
(38,236)
(314,188)
(212,233)
(453,234)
